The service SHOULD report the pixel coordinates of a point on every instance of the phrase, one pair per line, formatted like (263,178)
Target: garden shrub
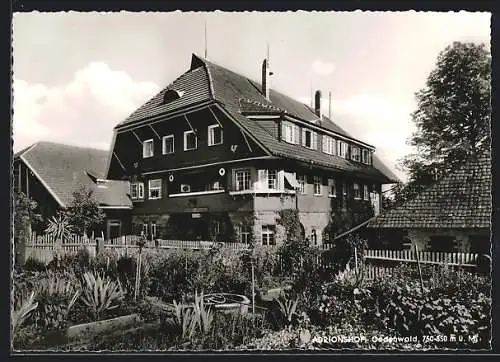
(35,265)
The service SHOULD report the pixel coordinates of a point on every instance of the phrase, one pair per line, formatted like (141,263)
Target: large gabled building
(215,155)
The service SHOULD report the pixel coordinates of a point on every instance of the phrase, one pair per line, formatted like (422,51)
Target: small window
(171,95)
(154,189)
(366,193)
(356,191)
(268,233)
(242,178)
(317,185)
(136,190)
(309,139)
(272,179)
(147,149)
(214,135)
(328,145)
(290,132)
(314,237)
(355,156)
(244,233)
(302,184)
(153,229)
(341,149)
(190,140)
(168,144)
(332,188)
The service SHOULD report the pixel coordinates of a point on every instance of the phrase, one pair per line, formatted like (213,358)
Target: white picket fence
(43,247)
(425,257)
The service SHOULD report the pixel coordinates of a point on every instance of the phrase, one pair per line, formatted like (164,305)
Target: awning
(291,181)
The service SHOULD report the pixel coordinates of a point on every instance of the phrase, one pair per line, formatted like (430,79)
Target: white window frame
(290,132)
(145,227)
(366,193)
(332,183)
(163,144)
(245,171)
(356,192)
(150,141)
(318,182)
(244,233)
(186,133)
(155,188)
(139,190)
(313,138)
(211,135)
(153,228)
(341,149)
(302,180)
(267,232)
(270,179)
(328,144)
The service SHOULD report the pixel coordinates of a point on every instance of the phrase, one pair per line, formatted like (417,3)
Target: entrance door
(114,229)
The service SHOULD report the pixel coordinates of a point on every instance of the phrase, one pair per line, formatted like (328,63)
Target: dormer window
(366,156)
(328,145)
(215,135)
(290,132)
(190,140)
(147,148)
(341,149)
(171,95)
(355,154)
(309,139)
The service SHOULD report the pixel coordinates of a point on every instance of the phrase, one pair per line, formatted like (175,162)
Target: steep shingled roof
(461,199)
(239,95)
(64,168)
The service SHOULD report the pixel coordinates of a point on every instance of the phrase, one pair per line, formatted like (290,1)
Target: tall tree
(24,217)
(453,116)
(84,214)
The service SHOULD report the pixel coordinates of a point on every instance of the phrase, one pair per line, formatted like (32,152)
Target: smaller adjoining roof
(62,169)
(460,200)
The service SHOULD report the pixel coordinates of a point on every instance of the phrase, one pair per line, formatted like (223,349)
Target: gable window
(356,191)
(168,144)
(328,145)
(355,153)
(341,149)
(214,135)
(154,189)
(309,139)
(190,140)
(268,232)
(290,132)
(136,190)
(332,188)
(242,178)
(147,148)
(366,193)
(302,180)
(317,185)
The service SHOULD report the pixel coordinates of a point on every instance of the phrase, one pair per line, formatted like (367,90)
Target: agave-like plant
(100,293)
(22,310)
(288,307)
(204,316)
(59,227)
(194,317)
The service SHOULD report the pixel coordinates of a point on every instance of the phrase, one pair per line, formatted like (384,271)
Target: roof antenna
(206,39)
(330,105)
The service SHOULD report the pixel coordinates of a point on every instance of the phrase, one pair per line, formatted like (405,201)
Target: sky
(77,75)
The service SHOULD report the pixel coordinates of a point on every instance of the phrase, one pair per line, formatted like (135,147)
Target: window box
(215,135)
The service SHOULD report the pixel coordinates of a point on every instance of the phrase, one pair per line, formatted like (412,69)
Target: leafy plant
(23,308)
(100,294)
(59,227)
(288,308)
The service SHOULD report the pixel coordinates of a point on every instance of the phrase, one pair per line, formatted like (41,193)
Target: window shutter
(296,134)
(324,145)
(283,131)
(314,141)
(303,137)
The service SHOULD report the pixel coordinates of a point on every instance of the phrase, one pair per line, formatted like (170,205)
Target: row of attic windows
(190,141)
(294,134)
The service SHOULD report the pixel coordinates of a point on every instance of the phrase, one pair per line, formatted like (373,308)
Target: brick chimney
(317,103)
